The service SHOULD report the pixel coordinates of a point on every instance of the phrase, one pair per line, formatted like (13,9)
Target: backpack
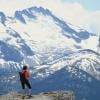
(22,76)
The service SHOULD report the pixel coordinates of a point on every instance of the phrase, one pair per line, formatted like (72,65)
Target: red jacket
(27,74)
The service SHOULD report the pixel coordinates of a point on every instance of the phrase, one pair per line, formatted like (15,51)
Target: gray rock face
(56,95)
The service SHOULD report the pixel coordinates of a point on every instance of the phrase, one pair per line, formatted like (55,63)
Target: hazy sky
(91,5)
(82,13)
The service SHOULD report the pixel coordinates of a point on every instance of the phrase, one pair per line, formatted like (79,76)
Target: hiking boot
(30,96)
(23,97)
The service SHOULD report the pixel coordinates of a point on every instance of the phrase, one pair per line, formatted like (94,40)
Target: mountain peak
(30,13)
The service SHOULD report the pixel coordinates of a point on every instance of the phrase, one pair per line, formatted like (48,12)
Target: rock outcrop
(55,95)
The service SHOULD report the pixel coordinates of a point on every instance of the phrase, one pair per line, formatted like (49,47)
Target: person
(24,78)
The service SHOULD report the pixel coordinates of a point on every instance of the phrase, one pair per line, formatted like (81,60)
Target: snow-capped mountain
(48,45)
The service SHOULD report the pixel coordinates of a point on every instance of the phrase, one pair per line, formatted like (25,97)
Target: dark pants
(26,82)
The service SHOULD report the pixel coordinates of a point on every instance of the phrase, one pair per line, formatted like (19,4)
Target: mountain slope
(37,31)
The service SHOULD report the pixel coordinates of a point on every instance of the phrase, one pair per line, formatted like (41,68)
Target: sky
(91,5)
(82,13)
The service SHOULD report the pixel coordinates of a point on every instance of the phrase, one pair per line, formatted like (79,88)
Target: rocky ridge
(55,95)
